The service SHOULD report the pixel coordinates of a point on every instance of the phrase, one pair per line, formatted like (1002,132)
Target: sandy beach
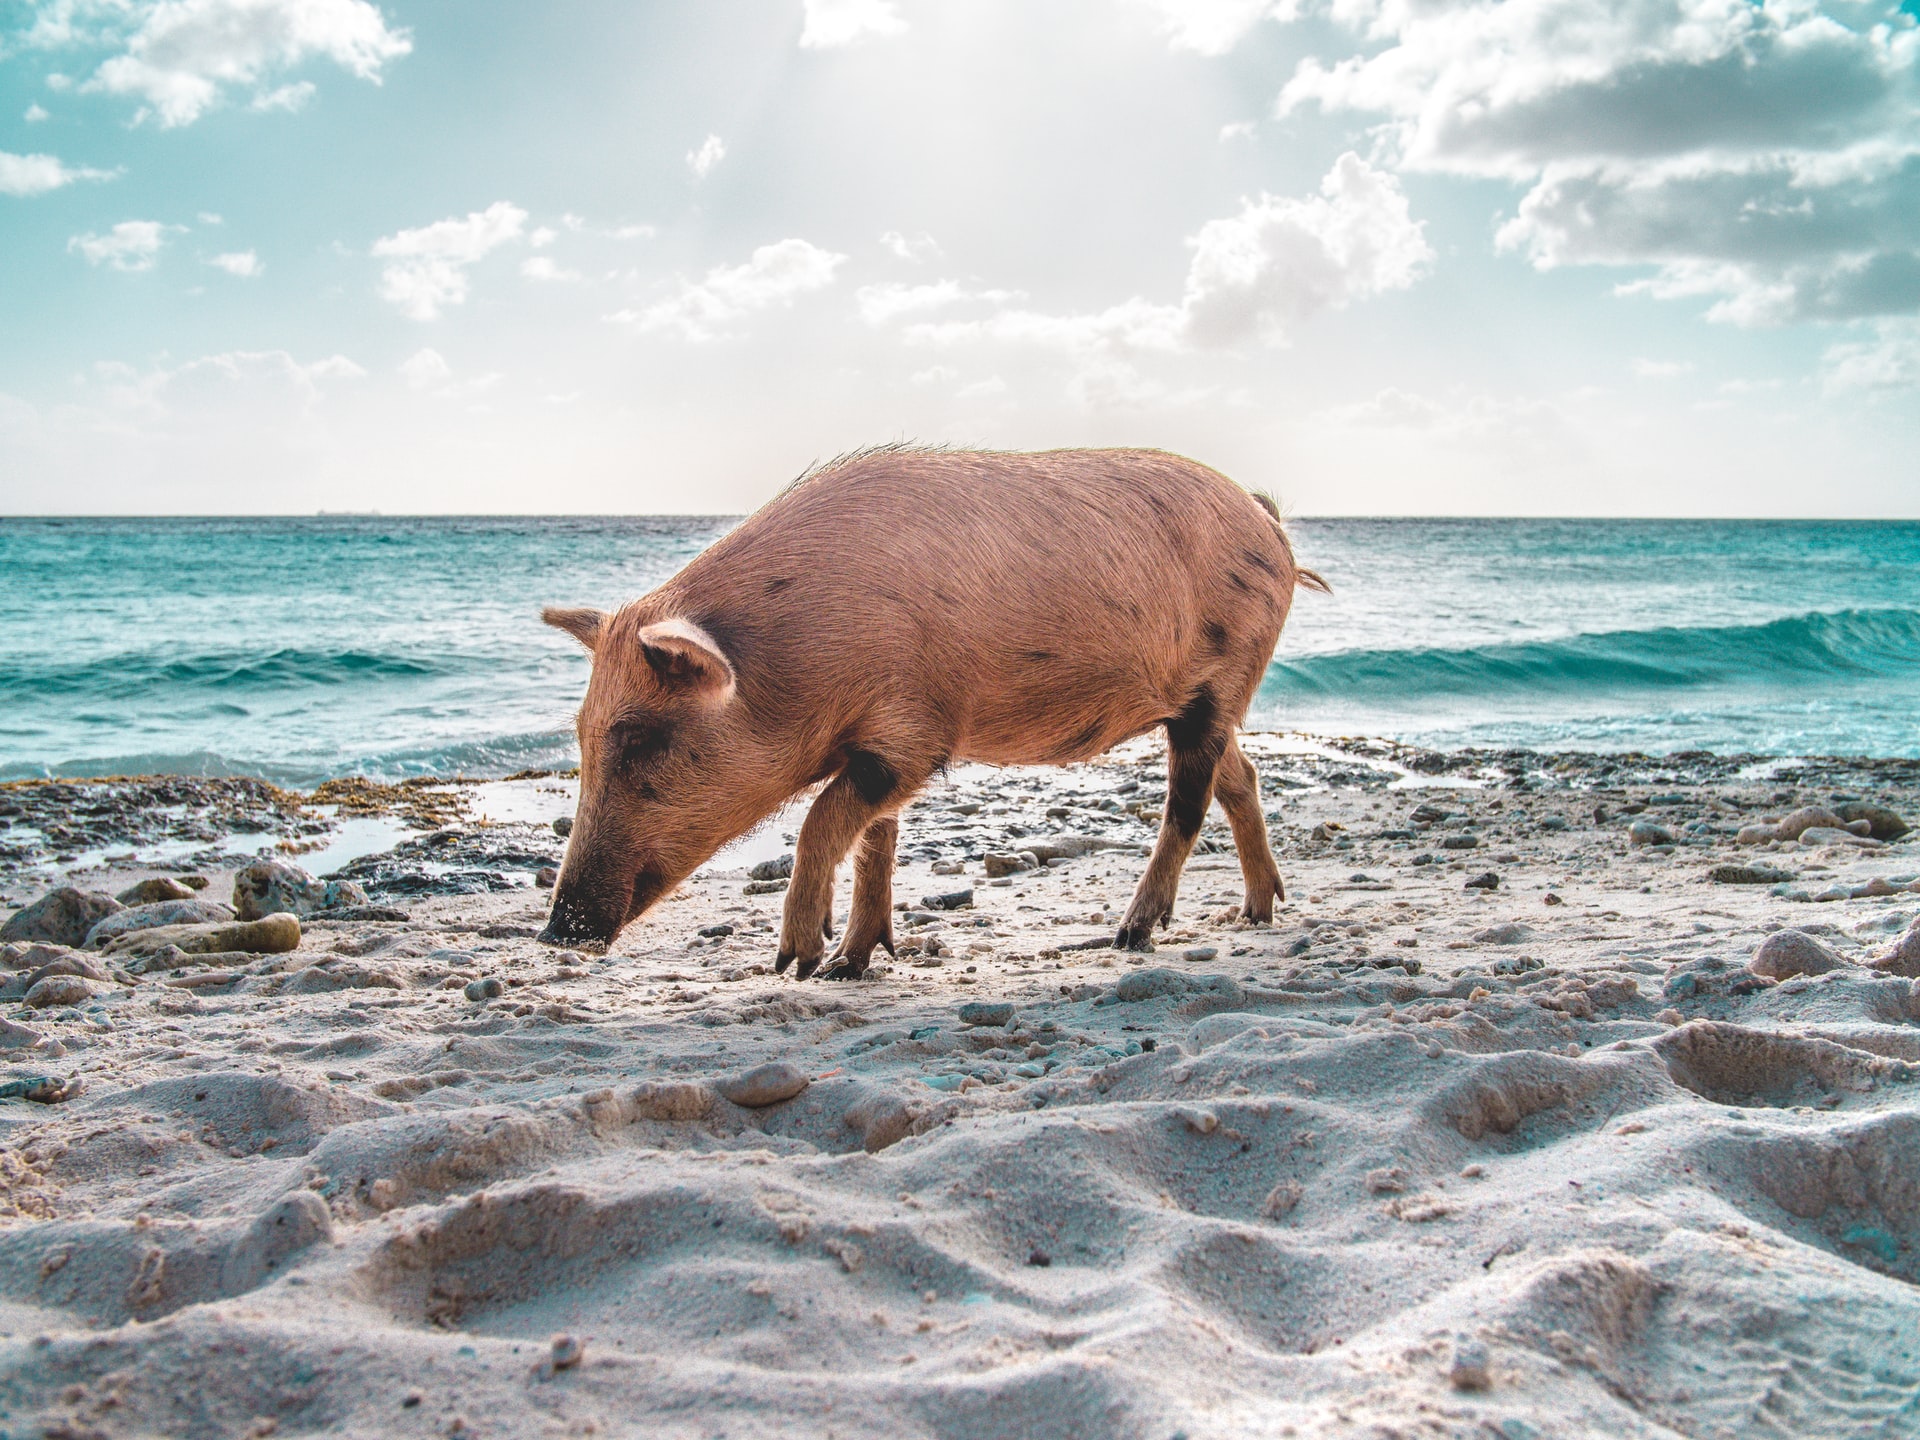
(1434,1154)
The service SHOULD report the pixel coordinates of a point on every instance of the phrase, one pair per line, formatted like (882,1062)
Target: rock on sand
(62,916)
(1787,953)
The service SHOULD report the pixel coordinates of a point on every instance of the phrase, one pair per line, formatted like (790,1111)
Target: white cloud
(426,369)
(241,263)
(884,303)
(710,153)
(776,274)
(37,174)
(831,23)
(544,236)
(1889,361)
(1661,369)
(1236,130)
(916,247)
(1213,27)
(130,245)
(545,268)
(35,113)
(179,56)
(427,268)
(1764,155)
(1255,276)
(284,97)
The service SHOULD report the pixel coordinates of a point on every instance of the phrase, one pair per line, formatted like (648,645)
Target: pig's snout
(591,916)
(576,925)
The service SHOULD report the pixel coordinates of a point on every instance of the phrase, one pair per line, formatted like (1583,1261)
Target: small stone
(546,877)
(1645,832)
(274,887)
(1387,1180)
(1787,953)
(1508,934)
(1833,835)
(764,1085)
(1810,817)
(776,869)
(1282,1199)
(194,882)
(1471,1368)
(987,1012)
(763,887)
(59,990)
(952,900)
(1882,823)
(61,917)
(1488,881)
(1748,875)
(1038,1258)
(1200,1122)
(563,825)
(159,887)
(716,932)
(949,867)
(153,915)
(1466,840)
(1199,953)
(483,990)
(567,1352)
(271,935)
(1000,864)
(64,962)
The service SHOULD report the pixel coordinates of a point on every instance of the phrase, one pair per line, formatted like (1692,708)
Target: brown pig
(897,611)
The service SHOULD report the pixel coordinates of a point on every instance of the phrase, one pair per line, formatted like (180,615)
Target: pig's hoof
(1134,937)
(806,968)
(781,961)
(844,969)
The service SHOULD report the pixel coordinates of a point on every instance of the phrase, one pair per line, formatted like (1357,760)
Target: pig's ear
(687,661)
(583,625)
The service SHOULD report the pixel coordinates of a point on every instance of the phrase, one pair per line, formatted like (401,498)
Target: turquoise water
(300,649)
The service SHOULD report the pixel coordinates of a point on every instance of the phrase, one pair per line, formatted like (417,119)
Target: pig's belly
(1073,722)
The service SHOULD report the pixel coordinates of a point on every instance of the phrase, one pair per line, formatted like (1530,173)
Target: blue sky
(1380,256)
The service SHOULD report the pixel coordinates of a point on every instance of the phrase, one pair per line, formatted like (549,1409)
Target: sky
(1380,257)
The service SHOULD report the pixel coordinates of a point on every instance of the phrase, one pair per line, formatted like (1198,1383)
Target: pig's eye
(640,745)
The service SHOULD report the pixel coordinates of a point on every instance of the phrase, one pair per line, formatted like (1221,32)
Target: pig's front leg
(857,797)
(870,922)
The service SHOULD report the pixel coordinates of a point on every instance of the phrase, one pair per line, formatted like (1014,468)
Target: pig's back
(1041,606)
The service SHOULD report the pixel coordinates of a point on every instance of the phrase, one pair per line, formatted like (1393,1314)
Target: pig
(902,609)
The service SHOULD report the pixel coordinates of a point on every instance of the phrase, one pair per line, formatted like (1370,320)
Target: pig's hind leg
(868,789)
(870,922)
(1237,784)
(1197,738)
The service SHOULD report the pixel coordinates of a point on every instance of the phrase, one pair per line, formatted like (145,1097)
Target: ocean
(302,649)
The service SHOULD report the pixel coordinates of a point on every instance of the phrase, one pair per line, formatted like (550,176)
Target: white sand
(338,1197)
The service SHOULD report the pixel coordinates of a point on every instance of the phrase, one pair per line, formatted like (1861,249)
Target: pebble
(1831,835)
(776,869)
(154,914)
(1508,934)
(1645,832)
(1904,958)
(764,1085)
(1199,953)
(763,887)
(1748,875)
(1467,841)
(1471,1368)
(987,1012)
(62,916)
(273,935)
(952,900)
(1282,1199)
(58,990)
(546,877)
(275,887)
(160,887)
(563,825)
(1488,881)
(566,1351)
(1882,823)
(487,989)
(1000,864)
(1787,953)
